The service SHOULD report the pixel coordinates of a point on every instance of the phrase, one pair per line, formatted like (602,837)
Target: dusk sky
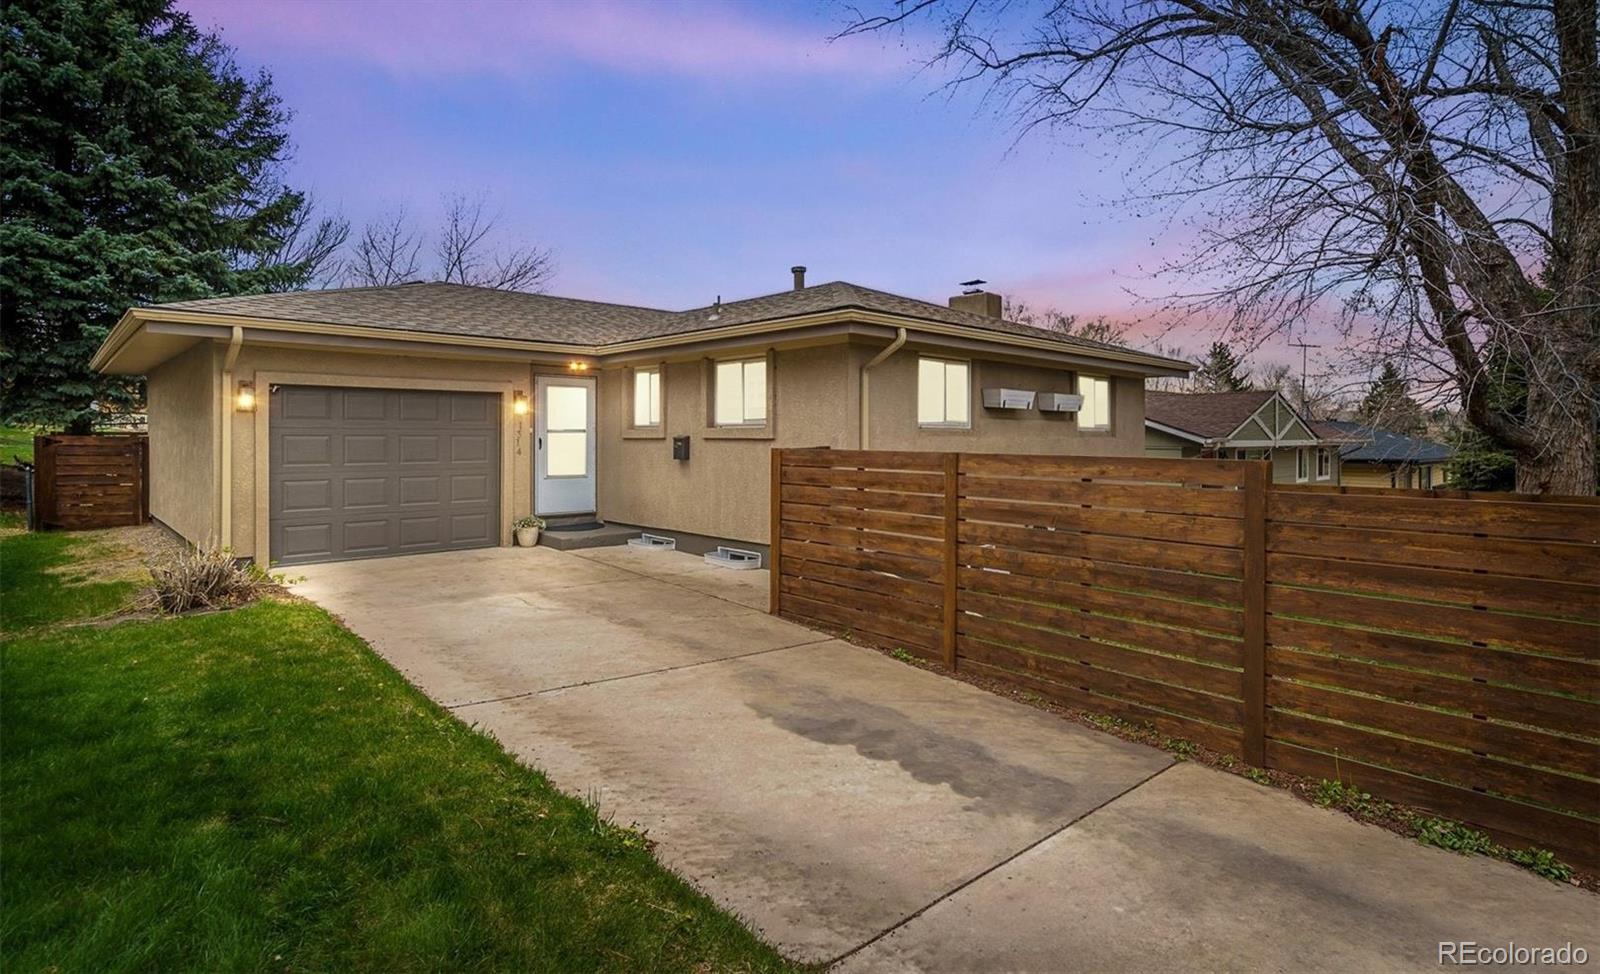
(670,153)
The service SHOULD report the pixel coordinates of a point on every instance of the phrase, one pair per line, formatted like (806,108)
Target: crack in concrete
(633,676)
(1003,862)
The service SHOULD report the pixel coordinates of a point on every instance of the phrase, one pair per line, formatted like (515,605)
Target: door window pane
(566,454)
(566,408)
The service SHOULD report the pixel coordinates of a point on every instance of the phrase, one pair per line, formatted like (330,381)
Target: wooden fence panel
(1436,648)
(1441,650)
(91,481)
(1112,585)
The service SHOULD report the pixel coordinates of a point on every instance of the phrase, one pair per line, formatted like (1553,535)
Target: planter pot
(527,537)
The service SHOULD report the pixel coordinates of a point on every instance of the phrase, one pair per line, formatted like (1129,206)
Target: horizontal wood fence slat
(1436,648)
(85,482)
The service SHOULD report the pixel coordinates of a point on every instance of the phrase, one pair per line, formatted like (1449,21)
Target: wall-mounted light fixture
(576,366)
(519,403)
(245,399)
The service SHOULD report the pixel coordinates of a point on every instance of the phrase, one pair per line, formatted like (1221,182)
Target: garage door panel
(307,449)
(372,472)
(305,496)
(420,448)
(362,405)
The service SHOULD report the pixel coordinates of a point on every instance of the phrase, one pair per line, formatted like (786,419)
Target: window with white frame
(1095,413)
(647,397)
(944,393)
(1324,463)
(740,394)
(1302,465)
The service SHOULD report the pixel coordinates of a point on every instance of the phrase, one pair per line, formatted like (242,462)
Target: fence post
(44,481)
(1254,688)
(775,536)
(952,474)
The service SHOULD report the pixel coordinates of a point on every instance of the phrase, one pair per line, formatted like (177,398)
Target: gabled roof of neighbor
(1381,446)
(1208,415)
(458,311)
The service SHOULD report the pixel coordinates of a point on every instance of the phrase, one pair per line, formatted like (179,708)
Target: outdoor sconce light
(576,366)
(245,400)
(519,403)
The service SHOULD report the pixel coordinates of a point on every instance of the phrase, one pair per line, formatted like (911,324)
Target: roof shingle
(1211,415)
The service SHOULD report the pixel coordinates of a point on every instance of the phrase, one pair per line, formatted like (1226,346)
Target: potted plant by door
(527,529)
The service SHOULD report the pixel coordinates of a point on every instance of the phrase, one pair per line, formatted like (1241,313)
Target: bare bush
(206,577)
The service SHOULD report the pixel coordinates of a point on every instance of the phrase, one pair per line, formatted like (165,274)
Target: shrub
(204,578)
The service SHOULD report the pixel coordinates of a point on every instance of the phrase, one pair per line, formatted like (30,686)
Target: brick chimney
(799,272)
(979,303)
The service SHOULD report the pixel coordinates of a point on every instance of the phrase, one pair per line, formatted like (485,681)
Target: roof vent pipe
(799,272)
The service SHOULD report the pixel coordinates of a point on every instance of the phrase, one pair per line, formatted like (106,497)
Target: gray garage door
(363,473)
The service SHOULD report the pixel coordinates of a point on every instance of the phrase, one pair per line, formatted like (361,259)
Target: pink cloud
(518,40)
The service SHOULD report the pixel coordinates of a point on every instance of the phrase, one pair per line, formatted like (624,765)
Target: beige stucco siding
(183,407)
(293,366)
(722,489)
(893,402)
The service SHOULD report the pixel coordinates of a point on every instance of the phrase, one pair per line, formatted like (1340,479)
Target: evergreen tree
(138,164)
(1222,371)
(1388,405)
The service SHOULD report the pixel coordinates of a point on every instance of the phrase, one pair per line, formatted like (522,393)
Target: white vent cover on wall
(1007,399)
(736,558)
(654,541)
(1059,402)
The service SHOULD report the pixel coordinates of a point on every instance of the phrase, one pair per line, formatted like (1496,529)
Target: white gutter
(866,383)
(226,533)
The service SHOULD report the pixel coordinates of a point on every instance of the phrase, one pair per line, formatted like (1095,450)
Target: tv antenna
(1303,347)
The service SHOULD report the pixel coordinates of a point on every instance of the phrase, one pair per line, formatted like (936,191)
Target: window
(566,431)
(647,397)
(1427,478)
(1095,414)
(1324,464)
(944,393)
(741,393)
(1302,465)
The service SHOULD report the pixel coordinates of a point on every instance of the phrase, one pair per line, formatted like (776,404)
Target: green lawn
(255,790)
(43,581)
(16,442)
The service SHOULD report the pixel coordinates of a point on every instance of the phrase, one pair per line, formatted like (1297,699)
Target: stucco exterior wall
(266,365)
(722,489)
(893,406)
(184,434)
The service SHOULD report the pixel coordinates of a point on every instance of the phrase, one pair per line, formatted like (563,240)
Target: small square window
(646,398)
(944,393)
(741,393)
(1095,413)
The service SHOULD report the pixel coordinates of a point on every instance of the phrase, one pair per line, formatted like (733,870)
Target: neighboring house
(362,422)
(1249,425)
(1379,458)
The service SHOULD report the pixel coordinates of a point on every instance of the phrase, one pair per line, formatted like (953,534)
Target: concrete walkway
(858,810)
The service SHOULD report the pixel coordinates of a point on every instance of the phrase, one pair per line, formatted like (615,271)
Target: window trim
(1324,454)
(944,424)
(633,397)
(1111,413)
(708,400)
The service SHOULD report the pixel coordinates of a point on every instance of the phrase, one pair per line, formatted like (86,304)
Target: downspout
(866,384)
(226,534)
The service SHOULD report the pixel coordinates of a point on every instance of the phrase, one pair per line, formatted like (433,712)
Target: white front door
(563,447)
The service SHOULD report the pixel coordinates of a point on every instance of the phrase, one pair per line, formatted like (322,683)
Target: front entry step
(583,532)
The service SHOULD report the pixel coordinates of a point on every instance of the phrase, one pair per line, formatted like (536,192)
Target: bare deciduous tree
(465,257)
(1099,329)
(385,254)
(1429,171)
(308,253)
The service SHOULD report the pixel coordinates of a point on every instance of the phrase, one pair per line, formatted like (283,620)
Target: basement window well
(735,558)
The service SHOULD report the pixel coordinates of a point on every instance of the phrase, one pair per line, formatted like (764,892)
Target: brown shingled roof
(1209,415)
(457,309)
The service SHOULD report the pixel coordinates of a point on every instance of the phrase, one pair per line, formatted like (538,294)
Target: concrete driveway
(858,810)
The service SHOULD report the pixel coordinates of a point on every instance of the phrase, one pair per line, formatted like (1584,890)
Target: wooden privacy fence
(1440,649)
(91,481)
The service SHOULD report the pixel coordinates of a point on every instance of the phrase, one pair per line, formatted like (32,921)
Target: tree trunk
(1563,424)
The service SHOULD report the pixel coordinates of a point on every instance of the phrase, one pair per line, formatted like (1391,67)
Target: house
(361,422)
(1247,425)
(1379,458)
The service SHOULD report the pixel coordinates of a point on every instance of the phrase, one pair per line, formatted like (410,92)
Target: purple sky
(670,153)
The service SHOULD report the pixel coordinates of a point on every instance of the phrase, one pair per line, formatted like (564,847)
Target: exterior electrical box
(680,448)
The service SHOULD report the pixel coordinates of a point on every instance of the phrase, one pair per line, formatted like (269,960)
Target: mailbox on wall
(680,448)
